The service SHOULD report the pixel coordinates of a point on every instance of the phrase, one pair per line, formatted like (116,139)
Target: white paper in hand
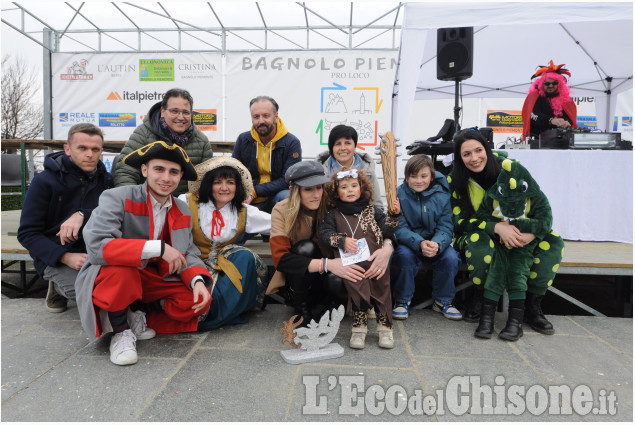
(362,254)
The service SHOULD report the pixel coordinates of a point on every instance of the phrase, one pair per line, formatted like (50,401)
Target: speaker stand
(457,108)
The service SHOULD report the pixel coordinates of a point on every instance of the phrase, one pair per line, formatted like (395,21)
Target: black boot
(485,327)
(300,285)
(534,316)
(301,306)
(473,311)
(514,328)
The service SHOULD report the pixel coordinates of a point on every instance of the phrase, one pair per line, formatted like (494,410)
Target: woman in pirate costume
(219,218)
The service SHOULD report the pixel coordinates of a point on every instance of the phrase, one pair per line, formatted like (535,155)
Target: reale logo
(72,118)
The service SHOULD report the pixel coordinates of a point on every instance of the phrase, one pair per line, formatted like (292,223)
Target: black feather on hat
(161,150)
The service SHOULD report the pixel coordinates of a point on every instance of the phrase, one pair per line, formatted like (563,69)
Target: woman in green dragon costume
(502,250)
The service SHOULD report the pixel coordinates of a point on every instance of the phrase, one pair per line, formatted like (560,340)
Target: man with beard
(267,150)
(548,104)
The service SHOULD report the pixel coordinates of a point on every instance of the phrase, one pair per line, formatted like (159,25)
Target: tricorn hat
(217,162)
(161,150)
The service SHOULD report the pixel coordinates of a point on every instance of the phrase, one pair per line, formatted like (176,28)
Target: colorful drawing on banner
(354,106)
(205,119)
(156,69)
(108,119)
(587,121)
(501,121)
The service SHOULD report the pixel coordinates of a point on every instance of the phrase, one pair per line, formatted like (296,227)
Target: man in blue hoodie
(57,205)
(425,234)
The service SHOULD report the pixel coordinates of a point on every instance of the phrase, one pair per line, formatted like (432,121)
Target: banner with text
(315,91)
(116,91)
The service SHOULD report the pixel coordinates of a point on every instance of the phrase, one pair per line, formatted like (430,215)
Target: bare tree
(22,114)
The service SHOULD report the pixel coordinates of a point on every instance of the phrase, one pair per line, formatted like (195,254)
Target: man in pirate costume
(142,259)
(548,104)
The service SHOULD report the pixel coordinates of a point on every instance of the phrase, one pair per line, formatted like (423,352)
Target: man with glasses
(171,121)
(548,104)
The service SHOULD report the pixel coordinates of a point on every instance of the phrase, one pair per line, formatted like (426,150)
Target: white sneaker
(358,338)
(386,339)
(123,348)
(137,322)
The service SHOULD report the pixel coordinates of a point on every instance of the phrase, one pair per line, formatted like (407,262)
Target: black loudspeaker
(455,47)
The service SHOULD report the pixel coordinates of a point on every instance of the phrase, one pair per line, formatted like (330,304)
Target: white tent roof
(594,40)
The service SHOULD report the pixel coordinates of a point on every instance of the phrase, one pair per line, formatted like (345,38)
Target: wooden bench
(580,258)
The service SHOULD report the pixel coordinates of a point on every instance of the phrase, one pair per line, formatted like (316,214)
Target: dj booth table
(590,191)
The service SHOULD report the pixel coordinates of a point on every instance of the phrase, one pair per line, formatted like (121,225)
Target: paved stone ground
(51,373)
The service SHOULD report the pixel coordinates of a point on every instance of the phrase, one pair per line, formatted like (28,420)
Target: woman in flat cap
(302,262)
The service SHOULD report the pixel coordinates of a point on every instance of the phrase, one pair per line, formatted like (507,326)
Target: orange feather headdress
(558,69)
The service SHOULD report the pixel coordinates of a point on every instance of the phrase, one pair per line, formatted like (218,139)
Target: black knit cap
(161,150)
(340,131)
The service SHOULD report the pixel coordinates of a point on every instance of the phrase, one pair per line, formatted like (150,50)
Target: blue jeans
(444,268)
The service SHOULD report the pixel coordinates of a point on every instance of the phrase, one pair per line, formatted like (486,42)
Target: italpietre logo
(139,96)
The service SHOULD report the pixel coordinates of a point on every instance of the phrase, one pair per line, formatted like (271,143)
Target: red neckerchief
(217,223)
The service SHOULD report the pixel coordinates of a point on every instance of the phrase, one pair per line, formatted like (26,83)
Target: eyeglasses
(550,83)
(176,112)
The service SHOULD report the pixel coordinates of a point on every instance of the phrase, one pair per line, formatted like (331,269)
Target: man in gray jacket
(142,259)
(171,121)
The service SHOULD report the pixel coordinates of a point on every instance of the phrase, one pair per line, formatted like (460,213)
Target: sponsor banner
(587,121)
(69,119)
(315,92)
(106,84)
(205,119)
(502,121)
(117,120)
(156,69)
(77,71)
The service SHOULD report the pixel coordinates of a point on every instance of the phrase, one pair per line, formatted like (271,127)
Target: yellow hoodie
(263,155)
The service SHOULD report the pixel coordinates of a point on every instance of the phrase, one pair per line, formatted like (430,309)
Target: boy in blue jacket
(425,234)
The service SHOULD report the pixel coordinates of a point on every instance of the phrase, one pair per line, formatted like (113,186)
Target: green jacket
(198,149)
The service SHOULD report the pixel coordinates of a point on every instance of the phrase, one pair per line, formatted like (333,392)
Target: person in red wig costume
(548,104)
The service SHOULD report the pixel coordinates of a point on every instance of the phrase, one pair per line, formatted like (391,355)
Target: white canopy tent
(594,40)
